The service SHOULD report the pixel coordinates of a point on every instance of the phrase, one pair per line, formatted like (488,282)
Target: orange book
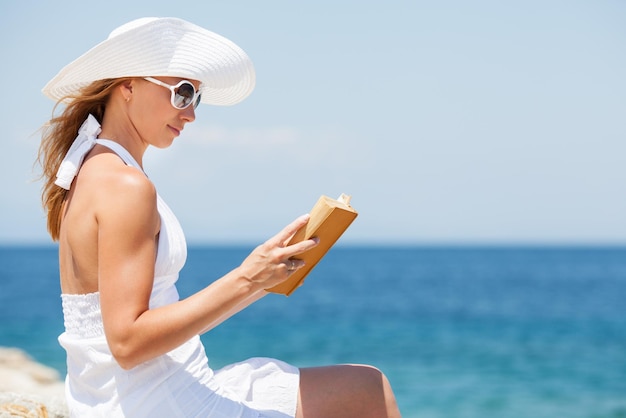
(329,220)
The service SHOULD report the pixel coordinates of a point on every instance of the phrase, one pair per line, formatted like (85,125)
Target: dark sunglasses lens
(184,95)
(197,101)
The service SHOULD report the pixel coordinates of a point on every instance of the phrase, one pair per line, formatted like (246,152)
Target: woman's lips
(175,130)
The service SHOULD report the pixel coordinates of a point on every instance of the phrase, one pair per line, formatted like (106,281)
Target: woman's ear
(126,89)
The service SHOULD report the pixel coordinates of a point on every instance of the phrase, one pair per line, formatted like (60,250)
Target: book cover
(329,220)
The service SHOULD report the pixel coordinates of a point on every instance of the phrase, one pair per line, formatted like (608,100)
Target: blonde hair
(57,137)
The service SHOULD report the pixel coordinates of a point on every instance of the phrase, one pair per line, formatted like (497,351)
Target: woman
(133,347)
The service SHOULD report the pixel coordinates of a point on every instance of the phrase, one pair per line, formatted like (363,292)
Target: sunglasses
(183,94)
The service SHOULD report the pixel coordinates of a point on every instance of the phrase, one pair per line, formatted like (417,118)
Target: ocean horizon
(461,331)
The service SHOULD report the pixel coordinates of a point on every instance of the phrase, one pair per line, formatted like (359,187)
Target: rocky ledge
(29,389)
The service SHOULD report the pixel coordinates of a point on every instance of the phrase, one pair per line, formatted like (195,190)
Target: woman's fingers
(289,252)
(293,264)
(273,261)
(302,246)
(282,238)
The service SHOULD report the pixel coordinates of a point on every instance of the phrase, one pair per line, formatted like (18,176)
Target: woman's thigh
(345,391)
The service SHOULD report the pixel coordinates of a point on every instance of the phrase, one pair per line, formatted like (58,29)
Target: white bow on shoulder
(84,142)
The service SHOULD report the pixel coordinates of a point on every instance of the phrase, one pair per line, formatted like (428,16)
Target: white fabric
(152,47)
(83,143)
(177,384)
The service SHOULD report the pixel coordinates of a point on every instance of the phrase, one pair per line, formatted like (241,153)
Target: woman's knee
(376,387)
(369,376)
(346,390)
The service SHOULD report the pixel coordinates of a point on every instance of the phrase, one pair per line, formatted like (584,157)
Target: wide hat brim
(167,47)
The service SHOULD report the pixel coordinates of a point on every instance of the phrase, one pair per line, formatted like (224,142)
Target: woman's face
(154,117)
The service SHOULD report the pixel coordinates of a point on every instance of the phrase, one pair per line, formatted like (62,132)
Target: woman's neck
(117,127)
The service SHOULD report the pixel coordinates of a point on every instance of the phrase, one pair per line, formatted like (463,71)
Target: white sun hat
(167,47)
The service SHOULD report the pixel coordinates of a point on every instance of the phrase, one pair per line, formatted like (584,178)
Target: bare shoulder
(110,173)
(119,193)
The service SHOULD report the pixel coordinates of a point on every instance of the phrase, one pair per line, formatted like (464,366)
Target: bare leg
(345,391)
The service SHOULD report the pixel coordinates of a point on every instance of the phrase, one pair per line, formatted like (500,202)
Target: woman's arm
(239,307)
(128,224)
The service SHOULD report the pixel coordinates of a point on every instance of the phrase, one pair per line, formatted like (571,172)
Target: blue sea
(461,332)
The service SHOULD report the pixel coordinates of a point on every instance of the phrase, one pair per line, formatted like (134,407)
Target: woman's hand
(273,261)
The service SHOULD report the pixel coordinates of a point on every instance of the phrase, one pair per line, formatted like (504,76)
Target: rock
(29,389)
(14,405)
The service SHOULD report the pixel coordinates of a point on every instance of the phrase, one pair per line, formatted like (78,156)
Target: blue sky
(456,122)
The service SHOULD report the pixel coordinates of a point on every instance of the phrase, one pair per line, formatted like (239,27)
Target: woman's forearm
(240,307)
(160,330)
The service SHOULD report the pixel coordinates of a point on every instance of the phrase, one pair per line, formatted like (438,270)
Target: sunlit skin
(108,244)
(142,115)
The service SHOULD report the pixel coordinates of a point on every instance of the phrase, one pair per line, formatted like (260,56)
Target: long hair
(57,137)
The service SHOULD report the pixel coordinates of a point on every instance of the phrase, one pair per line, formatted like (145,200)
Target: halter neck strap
(87,138)
(83,143)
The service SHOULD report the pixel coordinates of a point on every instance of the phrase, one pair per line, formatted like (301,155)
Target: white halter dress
(179,383)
